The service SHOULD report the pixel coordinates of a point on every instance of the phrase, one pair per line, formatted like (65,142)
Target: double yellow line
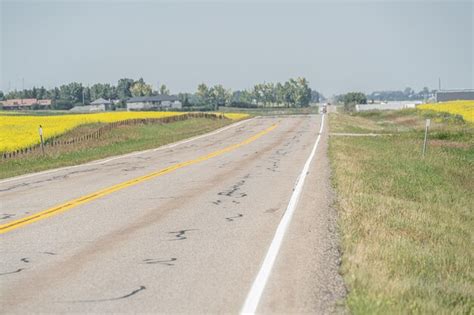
(106,191)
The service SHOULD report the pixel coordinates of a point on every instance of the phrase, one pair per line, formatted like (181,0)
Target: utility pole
(22,89)
(439,84)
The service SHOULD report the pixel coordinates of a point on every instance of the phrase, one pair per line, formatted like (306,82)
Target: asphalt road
(181,229)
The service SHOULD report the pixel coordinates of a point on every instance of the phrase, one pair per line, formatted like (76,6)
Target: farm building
(25,103)
(99,105)
(154,102)
(454,95)
(102,104)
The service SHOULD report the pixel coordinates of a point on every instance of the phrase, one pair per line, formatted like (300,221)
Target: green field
(120,140)
(407,222)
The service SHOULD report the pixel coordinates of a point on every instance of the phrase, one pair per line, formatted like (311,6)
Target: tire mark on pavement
(11,272)
(151,261)
(7,216)
(141,288)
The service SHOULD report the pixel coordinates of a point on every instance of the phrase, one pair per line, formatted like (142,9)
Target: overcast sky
(338,46)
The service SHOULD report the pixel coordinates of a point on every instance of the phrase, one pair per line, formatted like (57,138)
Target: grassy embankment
(407,222)
(120,140)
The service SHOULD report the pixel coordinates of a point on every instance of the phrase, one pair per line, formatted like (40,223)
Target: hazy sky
(338,46)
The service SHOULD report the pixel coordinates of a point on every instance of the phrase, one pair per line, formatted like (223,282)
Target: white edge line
(255,293)
(102,161)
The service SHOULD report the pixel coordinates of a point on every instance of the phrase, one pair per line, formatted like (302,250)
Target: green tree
(268,93)
(246,97)
(258,94)
(54,94)
(42,93)
(105,91)
(302,92)
(353,98)
(164,90)
(203,94)
(34,92)
(124,88)
(184,99)
(289,89)
(219,96)
(71,92)
(280,93)
(87,95)
(140,88)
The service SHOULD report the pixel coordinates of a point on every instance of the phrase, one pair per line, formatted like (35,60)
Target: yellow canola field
(463,108)
(17,132)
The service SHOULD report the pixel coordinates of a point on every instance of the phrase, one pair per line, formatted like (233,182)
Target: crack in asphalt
(65,176)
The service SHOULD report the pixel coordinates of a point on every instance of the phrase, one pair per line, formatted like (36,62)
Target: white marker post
(427,125)
(40,131)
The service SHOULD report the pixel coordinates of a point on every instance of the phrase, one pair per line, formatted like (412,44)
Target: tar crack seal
(180,234)
(151,261)
(230,219)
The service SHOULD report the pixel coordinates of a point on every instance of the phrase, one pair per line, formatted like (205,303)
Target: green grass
(120,140)
(407,222)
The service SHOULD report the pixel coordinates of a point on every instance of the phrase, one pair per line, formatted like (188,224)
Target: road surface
(181,229)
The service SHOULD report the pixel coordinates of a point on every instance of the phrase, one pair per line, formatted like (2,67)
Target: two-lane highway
(184,228)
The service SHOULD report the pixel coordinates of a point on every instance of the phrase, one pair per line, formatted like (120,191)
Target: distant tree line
(68,95)
(292,93)
(406,95)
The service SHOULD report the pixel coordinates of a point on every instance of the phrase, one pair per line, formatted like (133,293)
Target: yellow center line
(106,191)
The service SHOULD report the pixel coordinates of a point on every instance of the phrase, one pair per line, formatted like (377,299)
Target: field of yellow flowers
(21,131)
(463,108)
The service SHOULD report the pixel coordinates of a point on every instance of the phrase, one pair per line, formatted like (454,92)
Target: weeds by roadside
(407,223)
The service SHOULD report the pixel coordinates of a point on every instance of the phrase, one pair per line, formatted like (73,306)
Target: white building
(154,102)
(387,106)
(102,103)
(99,105)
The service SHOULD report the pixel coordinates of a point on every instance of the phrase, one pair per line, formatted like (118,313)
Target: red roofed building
(25,103)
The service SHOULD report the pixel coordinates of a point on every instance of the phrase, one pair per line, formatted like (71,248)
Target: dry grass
(407,222)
